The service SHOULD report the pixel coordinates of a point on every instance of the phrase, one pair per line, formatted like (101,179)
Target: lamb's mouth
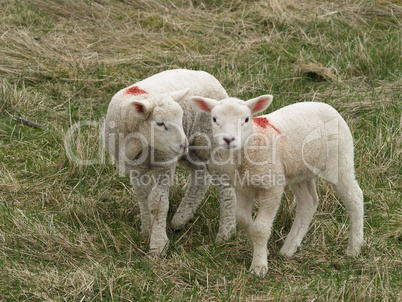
(229,147)
(177,152)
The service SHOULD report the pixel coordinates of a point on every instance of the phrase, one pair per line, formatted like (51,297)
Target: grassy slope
(70,233)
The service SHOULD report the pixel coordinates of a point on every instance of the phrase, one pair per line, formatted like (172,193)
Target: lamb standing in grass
(290,146)
(144,133)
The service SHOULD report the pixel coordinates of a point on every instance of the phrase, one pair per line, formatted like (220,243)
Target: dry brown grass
(70,232)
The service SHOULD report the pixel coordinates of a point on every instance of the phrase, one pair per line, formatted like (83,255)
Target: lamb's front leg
(227,221)
(158,203)
(142,187)
(244,208)
(260,230)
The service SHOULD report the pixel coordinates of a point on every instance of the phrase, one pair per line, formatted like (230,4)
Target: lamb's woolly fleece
(122,121)
(290,146)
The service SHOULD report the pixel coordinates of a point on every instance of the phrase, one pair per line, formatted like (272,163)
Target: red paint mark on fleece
(135,90)
(263,123)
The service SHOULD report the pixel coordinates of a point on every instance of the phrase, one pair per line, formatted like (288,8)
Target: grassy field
(71,233)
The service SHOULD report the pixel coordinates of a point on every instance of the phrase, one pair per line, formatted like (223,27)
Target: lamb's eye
(162,124)
(214,119)
(246,120)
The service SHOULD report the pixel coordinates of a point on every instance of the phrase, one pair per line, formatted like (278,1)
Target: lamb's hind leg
(307,201)
(352,197)
(199,183)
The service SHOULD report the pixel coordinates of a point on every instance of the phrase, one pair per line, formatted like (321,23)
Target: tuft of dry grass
(315,71)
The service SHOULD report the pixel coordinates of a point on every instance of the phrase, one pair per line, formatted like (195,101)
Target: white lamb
(290,146)
(144,133)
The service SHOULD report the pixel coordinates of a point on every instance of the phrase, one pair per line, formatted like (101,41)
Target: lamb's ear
(259,104)
(180,95)
(204,104)
(142,107)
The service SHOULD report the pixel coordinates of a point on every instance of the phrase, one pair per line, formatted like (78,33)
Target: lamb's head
(231,118)
(158,118)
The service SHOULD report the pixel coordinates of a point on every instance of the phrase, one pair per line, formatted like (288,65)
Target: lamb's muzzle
(229,141)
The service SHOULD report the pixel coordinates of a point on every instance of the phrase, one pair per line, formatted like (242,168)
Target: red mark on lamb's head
(135,90)
(263,123)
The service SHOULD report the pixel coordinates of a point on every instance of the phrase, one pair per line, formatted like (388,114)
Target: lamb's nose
(228,140)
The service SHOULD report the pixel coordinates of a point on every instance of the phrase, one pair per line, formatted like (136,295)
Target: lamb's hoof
(259,271)
(178,222)
(287,252)
(159,248)
(224,236)
(219,240)
(352,253)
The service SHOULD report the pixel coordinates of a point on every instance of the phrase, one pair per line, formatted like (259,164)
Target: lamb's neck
(254,132)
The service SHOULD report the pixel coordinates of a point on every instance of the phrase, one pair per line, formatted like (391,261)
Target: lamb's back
(313,136)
